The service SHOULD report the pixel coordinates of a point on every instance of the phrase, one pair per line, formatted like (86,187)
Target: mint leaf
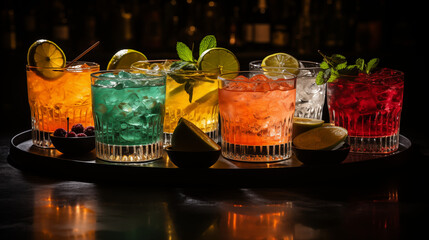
(184,52)
(189,63)
(189,88)
(360,64)
(333,76)
(372,64)
(336,65)
(338,59)
(207,42)
(341,66)
(319,78)
(324,65)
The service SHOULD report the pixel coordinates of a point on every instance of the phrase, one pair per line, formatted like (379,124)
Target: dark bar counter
(387,206)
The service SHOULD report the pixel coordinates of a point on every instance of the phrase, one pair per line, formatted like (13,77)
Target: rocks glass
(256,112)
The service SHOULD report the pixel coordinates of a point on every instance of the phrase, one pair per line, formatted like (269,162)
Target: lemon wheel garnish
(321,138)
(123,59)
(188,137)
(218,58)
(278,62)
(47,57)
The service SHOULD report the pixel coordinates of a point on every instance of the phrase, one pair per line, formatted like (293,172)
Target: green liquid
(128,114)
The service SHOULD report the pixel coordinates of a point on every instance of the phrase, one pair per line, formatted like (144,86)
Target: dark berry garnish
(71,134)
(89,131)
(60,132)
(81,135)
(78,128)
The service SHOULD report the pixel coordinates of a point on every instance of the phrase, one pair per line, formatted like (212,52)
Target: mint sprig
(184,52)
(336,65)
(188,62)
(207,42)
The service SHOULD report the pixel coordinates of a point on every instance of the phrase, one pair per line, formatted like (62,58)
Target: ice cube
(107,75)
(106,83)
(367,106)
(120,86)
(132,100)
(130,83)
(123,74)
(156,66)
(305,73)
(137,121)
(241,78)
(138,76)
(149,103)
(262,87)
(259,78)
(126,108)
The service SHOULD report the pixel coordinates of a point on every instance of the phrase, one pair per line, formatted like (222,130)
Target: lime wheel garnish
(47,58)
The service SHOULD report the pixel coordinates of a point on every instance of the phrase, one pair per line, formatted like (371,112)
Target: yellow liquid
(202,110)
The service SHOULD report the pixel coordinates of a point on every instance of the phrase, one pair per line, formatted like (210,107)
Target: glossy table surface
(391,206)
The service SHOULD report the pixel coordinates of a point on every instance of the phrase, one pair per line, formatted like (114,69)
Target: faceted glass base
(385,144)
(246,153)
(128,153)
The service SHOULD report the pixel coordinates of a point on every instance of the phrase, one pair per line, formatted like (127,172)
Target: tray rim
(90,171)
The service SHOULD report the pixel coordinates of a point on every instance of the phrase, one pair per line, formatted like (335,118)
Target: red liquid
(367,105)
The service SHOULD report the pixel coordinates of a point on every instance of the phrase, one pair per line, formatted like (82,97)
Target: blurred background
(393,31)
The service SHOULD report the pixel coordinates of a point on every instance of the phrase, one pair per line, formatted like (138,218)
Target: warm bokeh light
(60,218)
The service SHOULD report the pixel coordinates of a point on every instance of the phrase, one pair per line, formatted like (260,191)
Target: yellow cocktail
(190,94)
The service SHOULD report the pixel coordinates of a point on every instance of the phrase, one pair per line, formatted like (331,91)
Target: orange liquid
(260,117)
(53,100)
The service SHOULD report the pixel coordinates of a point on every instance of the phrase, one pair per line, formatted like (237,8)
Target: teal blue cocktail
(128,111)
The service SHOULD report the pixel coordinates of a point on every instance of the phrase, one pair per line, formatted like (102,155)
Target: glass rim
(153,75)
(351,78)
(189,71)
(178,71)
(237,73)
(151,61)
(91,65)
(257,63)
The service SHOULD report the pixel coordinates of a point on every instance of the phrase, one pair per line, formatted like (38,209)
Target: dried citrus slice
(123,59)
(321,138)
(218,58)
(301,125)
(277,62)
(46,56)
(188,137)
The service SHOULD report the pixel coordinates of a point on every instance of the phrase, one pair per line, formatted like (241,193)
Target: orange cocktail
(256,111)
(55,94)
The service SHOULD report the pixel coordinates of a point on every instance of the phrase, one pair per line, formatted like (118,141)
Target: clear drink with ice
(310,97)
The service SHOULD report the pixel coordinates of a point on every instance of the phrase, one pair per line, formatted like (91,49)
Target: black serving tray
(162,172)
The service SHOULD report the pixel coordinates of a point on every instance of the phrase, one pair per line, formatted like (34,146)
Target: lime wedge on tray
(188,137)
(321,138)
(301,125)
